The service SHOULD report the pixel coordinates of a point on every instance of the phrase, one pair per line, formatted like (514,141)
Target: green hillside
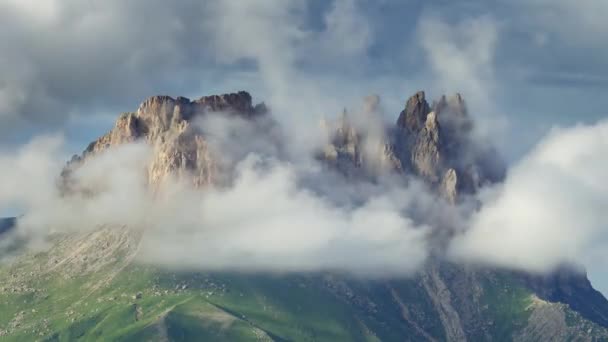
(92,288)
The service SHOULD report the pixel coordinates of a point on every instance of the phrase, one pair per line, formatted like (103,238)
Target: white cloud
(265,222)
(65,56)
(579,22)
(298,98)
(266,219)
(35,10)
(348,31)
(26,175)
(462,59)
(109,189)
(550,211)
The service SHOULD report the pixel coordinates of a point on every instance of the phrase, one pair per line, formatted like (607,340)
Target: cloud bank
(551,210)
(267,219)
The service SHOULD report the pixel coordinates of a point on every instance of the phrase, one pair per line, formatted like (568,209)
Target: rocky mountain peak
(168,125)
(356,149)
(434,142)
(238,103)
(414,115)
(431,142)
(160,113)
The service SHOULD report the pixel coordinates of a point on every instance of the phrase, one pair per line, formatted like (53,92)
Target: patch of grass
(49,297)
(506,301)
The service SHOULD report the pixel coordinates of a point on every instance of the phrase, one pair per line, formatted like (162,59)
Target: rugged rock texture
(412,118)
(441,298)
(168,125)
(570,286)
(426,155)
(435,143)
(356,152)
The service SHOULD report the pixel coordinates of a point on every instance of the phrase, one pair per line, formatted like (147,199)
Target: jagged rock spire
(354,149)
(436,143)
(431,142)
(413,116)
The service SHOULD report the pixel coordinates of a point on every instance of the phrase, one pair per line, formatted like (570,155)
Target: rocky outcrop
(412,118)
(437,143)
(425,150)
(343,150)
(440,296)
(434,142)
(354,150)
(553,321)
(183,154)
(167,125)
(571,286)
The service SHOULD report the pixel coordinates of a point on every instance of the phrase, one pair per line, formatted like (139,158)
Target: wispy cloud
(267,219)
(551,208)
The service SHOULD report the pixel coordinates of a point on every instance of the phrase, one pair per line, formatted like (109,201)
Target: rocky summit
(90,286)
(434,143)
(167,125)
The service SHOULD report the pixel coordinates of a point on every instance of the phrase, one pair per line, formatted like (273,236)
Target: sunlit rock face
(168,125)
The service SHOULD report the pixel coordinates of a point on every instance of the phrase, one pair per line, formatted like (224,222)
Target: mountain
(90,285)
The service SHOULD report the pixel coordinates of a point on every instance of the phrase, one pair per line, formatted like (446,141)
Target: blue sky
(70,67)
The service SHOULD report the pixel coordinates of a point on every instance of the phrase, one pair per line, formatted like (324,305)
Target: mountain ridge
(90,286)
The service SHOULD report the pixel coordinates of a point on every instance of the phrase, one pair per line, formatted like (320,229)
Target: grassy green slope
(91,289)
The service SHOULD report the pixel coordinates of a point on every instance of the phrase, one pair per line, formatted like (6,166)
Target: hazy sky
(538,62)
(524,66)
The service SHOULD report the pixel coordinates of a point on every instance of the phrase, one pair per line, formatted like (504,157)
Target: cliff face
(167,125)
(437,142)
